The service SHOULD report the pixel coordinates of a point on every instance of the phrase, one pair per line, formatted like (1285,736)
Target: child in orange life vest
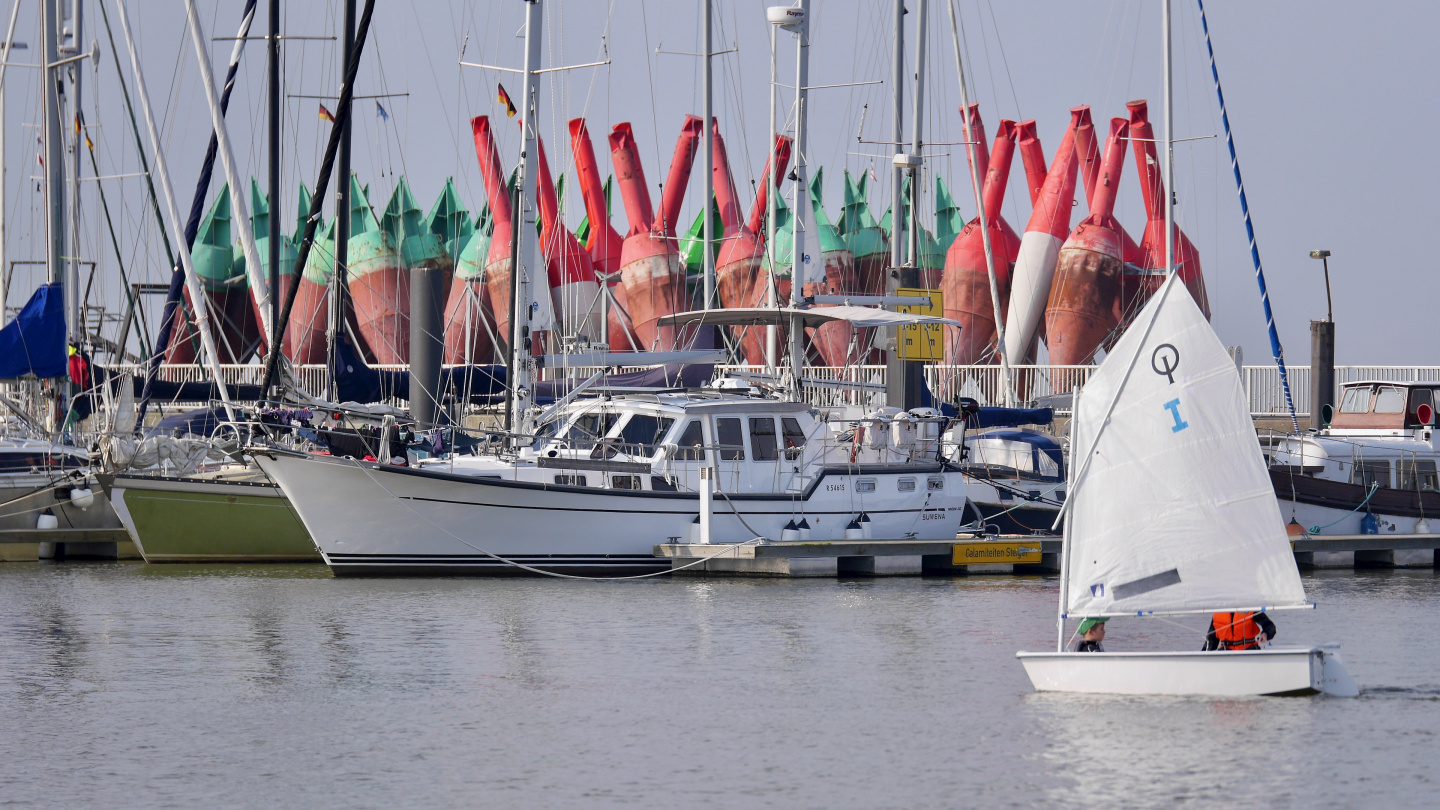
(1238,631)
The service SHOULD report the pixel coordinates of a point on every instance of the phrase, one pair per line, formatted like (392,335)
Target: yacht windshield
(1357,400)
(1391,399)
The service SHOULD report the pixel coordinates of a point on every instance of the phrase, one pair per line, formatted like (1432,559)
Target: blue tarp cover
(980,417)
(34,343)
(201,422)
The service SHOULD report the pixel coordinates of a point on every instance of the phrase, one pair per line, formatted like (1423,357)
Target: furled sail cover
(1173,510)
(34,343)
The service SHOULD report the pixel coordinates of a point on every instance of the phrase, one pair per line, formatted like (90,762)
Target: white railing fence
(864,386)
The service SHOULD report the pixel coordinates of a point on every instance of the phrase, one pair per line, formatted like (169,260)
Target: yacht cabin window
(730,438)
(592,426)
(1049,467)
(643,432)
(1418,397)
(570,480)
(691,442)
(1368,473)
(794,437)
(762,439)
(625,482)
(1418,475)
(1390,399)
(1356,399)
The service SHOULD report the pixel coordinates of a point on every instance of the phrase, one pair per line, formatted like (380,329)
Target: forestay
(1173,509)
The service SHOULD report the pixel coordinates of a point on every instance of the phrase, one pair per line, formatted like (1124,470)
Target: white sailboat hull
(1274,671)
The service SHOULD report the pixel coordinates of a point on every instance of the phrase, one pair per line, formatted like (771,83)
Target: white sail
(1171,508)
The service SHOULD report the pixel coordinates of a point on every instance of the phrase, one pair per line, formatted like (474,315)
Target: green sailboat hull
(191,520)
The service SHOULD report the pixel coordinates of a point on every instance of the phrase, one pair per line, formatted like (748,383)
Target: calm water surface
(130,685)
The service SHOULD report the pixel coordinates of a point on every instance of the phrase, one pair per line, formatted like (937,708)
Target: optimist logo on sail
(1164,361)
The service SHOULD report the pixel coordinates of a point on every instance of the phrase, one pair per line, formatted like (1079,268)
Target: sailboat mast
(528,260)
(5,49)
(976,181)
(802,192)
(54,153)
(1065,531)
(707,148)
(1169,142)
(70,46)
(896,369)
(197,295)
(342,219)
(253,269)
(897,122)
(272,49)
(913,230)
(772,336)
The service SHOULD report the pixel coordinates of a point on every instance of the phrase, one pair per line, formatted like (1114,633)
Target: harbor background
(1331,140)
(133,685)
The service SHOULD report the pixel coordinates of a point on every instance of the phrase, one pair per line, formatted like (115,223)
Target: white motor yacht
(1373,470)
(608,478)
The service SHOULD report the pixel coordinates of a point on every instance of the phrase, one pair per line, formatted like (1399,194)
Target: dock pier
(30,545)
(1007,554)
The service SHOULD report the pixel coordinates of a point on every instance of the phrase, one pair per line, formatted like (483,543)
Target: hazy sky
(1309,87)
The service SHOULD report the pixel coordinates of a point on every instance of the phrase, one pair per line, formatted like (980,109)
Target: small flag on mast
(505,99)
(80,130)
(326,115)
(381,113)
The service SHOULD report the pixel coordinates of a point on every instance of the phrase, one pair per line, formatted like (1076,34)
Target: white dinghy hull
(1276,671)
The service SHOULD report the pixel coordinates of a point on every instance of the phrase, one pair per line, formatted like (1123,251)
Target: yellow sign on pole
(922,341)
(991,553)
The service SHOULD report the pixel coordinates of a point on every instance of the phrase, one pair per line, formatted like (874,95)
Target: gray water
(128,685)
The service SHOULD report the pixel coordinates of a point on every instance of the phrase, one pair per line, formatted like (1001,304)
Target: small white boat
(1170,511)
(1372,470)
(1236,673)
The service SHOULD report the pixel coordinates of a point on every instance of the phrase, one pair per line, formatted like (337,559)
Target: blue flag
(380,111)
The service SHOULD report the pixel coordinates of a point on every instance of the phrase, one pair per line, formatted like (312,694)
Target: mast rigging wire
(1275,347)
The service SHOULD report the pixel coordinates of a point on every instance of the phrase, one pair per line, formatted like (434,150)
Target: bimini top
(781,316)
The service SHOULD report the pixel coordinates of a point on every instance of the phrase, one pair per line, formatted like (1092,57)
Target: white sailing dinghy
(1171,511)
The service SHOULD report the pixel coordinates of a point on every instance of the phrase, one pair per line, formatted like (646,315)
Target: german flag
(326,115)
(505,99)
(80,130)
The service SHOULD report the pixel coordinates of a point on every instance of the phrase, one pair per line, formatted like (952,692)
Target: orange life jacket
(1237,631)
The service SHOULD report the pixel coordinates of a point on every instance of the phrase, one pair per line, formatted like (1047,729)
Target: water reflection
(267,641)
(56,651)
(1122,751)
(891,692)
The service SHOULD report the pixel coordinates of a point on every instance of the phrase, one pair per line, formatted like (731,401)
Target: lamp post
(1322,355)
(1324,256)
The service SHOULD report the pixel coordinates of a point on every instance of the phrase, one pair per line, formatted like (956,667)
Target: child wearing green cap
(1092,631)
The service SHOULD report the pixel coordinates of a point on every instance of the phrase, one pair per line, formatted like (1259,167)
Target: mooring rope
(558,575)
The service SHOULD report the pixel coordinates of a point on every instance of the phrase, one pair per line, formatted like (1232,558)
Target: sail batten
(1172,508)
